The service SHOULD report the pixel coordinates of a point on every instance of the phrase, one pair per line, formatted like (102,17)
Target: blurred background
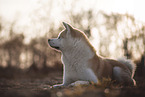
(116,28)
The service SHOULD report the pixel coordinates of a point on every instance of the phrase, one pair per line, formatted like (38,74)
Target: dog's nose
(48,40)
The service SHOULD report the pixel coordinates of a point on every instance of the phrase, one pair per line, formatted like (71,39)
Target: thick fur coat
(81,63)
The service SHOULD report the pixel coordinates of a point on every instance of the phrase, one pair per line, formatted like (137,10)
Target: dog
(81,63)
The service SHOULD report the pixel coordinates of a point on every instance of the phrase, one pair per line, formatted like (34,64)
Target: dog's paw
(78,83)
(57,86)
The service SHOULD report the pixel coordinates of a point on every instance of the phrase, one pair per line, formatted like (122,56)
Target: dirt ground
(41,87)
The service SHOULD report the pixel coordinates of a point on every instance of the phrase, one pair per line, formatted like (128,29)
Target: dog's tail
(131,66)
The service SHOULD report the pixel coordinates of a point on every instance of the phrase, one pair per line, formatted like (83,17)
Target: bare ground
(41,87)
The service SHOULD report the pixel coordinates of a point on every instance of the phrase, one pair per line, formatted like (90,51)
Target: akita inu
(81,63)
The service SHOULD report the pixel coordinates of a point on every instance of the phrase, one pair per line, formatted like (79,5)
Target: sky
(11,8)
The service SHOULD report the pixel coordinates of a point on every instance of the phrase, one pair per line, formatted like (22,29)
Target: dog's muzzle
(50,43)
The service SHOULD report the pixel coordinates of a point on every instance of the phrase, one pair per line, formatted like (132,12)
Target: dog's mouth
(55,47)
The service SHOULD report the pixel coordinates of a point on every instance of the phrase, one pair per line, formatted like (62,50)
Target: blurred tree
(121,30)
(14,47)
(125,47)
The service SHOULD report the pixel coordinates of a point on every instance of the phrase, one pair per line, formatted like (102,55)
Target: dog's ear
(67,26)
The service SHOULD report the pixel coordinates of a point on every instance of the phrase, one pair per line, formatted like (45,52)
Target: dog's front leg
(67,80)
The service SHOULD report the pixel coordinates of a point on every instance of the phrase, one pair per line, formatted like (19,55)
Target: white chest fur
(77,69)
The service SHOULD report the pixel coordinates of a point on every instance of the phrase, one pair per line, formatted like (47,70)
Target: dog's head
(67,39)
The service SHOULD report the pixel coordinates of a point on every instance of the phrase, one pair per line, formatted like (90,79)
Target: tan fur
(81,35)
(62,34)
(103,68)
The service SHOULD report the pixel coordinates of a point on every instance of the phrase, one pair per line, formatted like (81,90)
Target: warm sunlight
(43,55)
